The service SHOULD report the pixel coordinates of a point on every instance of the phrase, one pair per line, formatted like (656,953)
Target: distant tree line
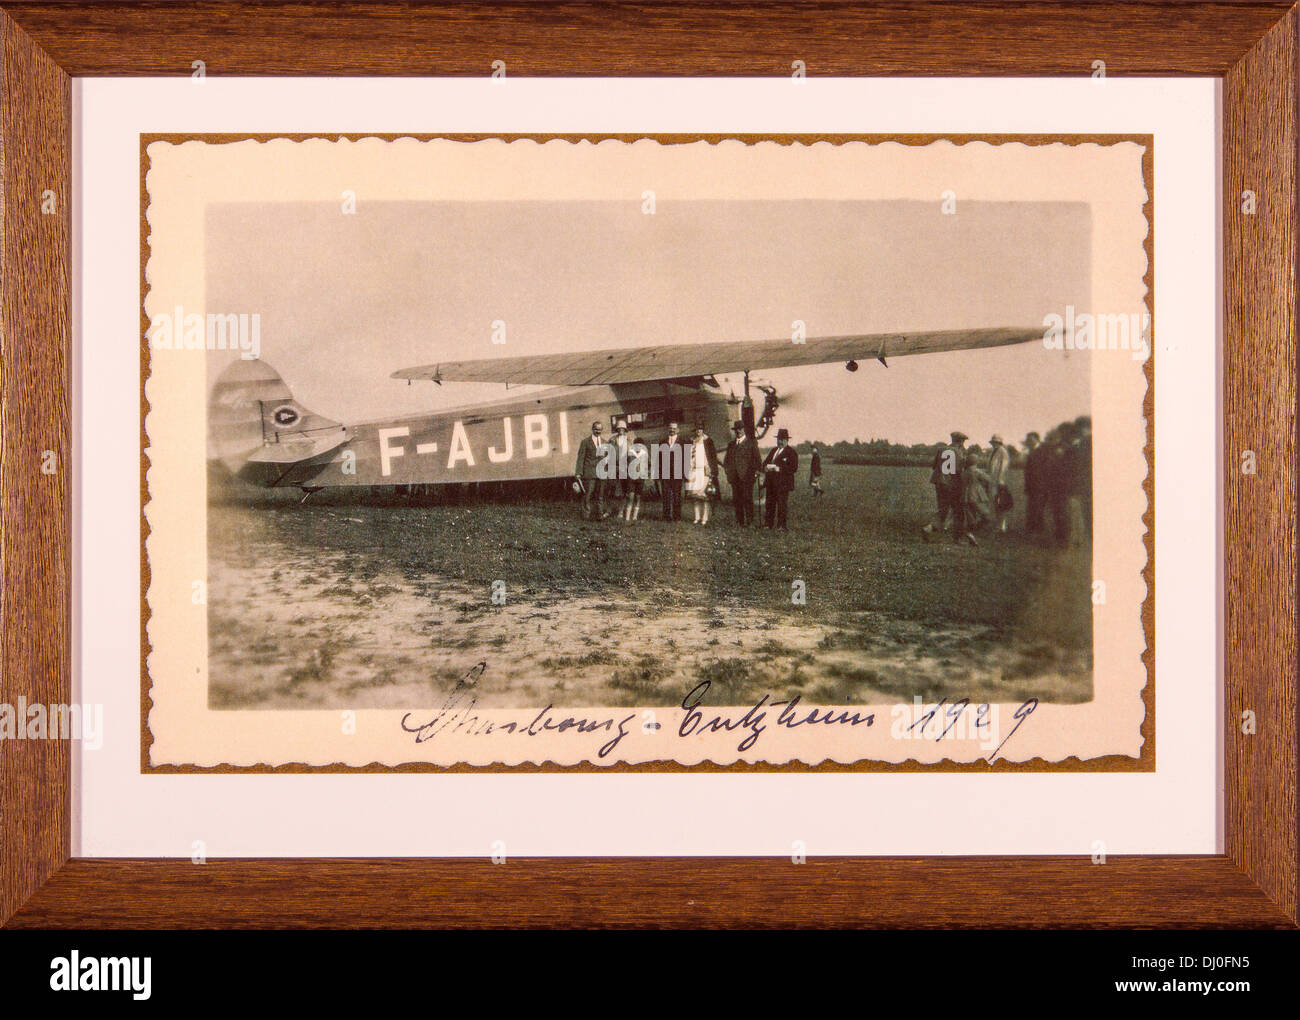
(883,453)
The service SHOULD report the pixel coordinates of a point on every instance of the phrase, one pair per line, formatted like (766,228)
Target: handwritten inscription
(790,717)
(459,714)
(959,720)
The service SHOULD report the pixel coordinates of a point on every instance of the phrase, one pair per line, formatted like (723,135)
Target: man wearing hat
(778,478)
(946,477)
(741,464)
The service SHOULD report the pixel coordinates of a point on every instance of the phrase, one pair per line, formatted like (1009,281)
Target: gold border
(1145,762)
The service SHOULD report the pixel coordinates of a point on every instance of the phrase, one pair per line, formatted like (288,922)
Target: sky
(345,300)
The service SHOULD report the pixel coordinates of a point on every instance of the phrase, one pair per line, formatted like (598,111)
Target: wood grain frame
(1252,46)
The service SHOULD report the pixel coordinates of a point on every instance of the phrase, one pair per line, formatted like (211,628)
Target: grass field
(339,604)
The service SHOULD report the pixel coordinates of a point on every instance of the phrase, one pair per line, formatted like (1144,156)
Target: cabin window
(647,419)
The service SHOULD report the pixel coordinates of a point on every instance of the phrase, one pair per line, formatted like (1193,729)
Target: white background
(119,812)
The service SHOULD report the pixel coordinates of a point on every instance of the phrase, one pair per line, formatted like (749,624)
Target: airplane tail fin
(256,428)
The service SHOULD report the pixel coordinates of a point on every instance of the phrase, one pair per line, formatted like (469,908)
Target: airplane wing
(681,361)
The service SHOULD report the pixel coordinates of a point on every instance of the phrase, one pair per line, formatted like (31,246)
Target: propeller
(794,398)
(787,398)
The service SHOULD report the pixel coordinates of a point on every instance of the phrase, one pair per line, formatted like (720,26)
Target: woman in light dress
(701,477)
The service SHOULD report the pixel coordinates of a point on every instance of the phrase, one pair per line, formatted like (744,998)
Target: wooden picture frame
(1252,46)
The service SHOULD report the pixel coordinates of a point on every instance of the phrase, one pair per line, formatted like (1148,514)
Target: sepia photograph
(703,465)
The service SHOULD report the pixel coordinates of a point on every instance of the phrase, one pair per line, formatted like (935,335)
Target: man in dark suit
(590,452)
(1057,474)
(1035,482)
(670,467)
(741,464)
(778,477)
(946,477)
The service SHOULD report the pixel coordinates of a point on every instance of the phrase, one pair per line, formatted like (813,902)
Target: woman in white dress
(697,484)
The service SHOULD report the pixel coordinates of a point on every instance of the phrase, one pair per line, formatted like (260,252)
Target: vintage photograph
(721,466)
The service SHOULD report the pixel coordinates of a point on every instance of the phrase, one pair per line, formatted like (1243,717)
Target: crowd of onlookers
(973,496)
(971,484)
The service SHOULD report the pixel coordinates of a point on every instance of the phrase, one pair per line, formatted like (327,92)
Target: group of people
(591,475)
(1058,480)
(687,477)
(973,496)
(775,472)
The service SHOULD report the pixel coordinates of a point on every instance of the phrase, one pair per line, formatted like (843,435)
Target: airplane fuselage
(534,436)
